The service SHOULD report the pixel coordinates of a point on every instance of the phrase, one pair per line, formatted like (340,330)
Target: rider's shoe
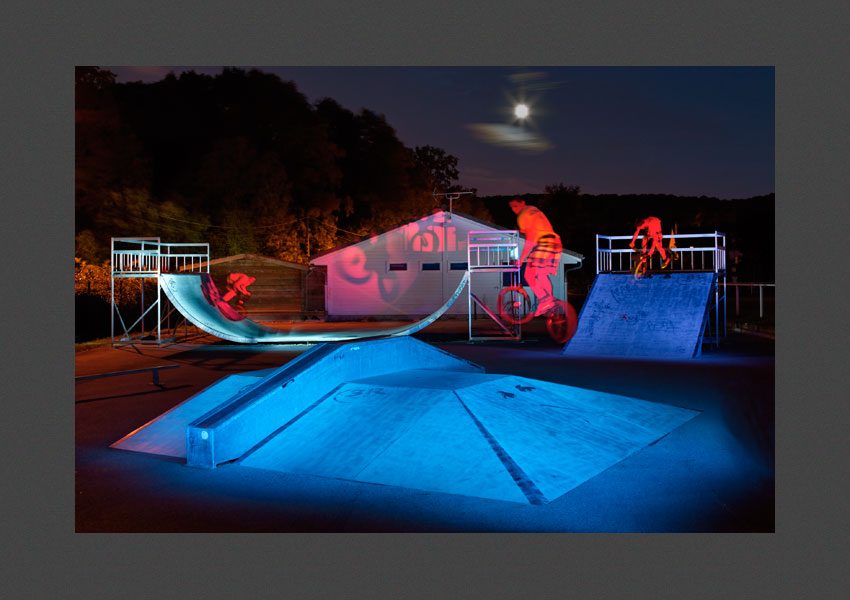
(544,306)
(666,263)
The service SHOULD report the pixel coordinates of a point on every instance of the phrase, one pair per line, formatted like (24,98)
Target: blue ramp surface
(166,434)
(661,316)
(237,412)
(501,437)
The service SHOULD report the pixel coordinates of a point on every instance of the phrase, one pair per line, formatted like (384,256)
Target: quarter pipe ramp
(191,296)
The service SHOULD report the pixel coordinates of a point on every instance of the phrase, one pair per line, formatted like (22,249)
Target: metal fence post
(737,301)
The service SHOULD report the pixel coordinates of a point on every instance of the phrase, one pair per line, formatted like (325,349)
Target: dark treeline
(242,160)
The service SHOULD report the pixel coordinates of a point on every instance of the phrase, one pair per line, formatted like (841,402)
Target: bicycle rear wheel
(561,321)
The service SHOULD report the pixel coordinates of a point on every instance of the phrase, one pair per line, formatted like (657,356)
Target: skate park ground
(714,473)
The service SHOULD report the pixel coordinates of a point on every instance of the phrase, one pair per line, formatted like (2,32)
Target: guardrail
(132,257)
(697,252)
(753,308)
(750,287)
(154,372)
(492,250)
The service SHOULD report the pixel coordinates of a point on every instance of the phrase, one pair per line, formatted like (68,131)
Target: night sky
(687,131)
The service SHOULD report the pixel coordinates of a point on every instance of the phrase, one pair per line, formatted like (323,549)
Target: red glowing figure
(652,238)
(542,250)
(237,284)
(213,296)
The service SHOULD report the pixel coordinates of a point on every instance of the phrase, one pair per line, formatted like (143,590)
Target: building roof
(265,259)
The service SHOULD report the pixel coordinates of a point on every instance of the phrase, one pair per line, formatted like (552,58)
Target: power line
(337,228)
(114,213)
(235,227)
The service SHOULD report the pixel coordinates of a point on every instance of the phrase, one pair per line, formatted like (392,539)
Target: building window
(396,266)
(430,266)
(458,266)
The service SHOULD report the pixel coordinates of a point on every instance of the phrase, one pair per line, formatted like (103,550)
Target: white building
(411,270)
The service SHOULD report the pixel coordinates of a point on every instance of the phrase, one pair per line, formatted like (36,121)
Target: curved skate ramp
(662,316)
(185,292)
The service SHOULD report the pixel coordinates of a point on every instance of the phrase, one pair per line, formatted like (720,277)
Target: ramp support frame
(491,251)
(146,258)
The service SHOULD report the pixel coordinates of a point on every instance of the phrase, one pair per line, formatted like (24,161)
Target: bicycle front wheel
(514,305)
(640,268)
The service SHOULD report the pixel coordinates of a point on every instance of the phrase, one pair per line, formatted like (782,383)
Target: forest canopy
(242,160)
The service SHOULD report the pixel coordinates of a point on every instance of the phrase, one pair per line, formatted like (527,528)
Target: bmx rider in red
(541,252)
(237,284)
(652,238)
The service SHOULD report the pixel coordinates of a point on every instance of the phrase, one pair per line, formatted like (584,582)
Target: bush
(92,299)
(93,280)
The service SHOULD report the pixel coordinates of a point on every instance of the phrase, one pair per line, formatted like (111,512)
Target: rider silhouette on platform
(652,238)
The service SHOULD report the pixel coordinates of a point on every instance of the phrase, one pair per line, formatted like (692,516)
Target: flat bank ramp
(660,316)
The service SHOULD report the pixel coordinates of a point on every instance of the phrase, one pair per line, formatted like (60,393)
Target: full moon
(521,111)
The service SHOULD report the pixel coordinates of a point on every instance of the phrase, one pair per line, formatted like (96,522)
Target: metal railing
(753,308)
(697,252)
(493,250)
(750,289)
(134,257)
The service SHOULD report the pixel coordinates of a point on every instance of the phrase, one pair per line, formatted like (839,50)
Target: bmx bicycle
(642,265)
(642,269)
(517,308)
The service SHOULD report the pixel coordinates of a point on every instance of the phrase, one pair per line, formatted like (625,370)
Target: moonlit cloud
(533,81)
(509,136)
(526,76)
